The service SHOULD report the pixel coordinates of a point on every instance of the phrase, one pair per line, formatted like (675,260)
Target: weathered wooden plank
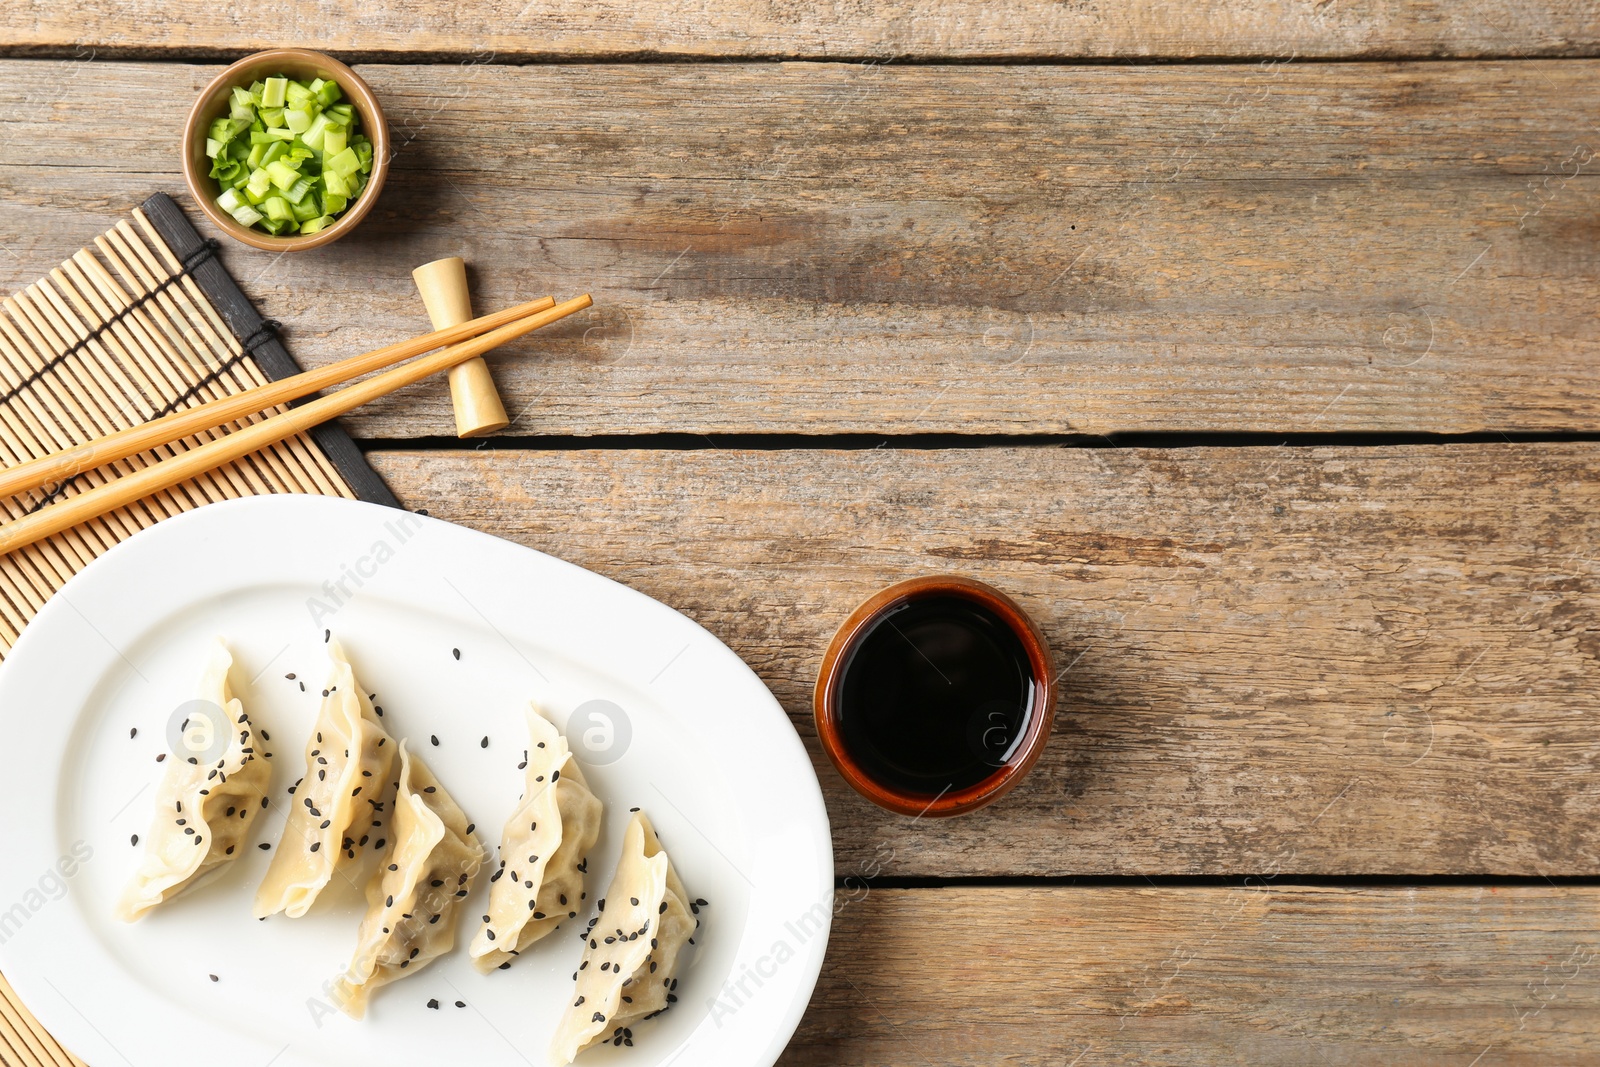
(926,29)
(831,248)
(1330,660)
(1427,977)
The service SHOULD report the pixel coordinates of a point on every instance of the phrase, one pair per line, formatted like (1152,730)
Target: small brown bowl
(302,64)
(830,678)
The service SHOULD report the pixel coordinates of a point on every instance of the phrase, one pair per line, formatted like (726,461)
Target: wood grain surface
(926,29)
(821,248)
(1045,977)
(1333,660)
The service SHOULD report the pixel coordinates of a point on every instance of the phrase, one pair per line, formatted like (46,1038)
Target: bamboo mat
(144,323)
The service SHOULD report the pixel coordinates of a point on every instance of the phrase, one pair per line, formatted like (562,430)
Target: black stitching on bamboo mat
(210,378)
(265,332)
(190,263)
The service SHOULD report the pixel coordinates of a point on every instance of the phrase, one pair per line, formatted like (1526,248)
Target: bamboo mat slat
(145,322)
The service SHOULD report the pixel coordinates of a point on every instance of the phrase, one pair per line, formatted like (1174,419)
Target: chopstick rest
(443,285)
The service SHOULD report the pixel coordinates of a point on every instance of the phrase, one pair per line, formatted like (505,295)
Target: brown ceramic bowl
(302,64)
(831,676)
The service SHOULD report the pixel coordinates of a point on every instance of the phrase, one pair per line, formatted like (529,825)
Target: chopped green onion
(289,157)
(333,140)
(297,192)
(314,133)
(344,164)
(282,174)
(273,92)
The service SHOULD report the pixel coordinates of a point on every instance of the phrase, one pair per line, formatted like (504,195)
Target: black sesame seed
(325,635)
(161,757)
(133,732)
(435,739)
(389,903)
(437,882)
(634,901)
(263,846)
(263,802)
(506,966)
(471,826)
(461,1003)
(484,743)
(212,977)
(489,934)
(135,840)
(430,789)
(456,652)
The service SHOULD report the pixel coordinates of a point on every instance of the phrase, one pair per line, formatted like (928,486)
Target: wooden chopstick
(65,463)
(168,473)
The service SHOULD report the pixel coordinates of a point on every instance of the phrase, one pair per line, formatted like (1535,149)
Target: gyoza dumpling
(204,810)
(630,959)
(539,884)
(339,805)
(413,897)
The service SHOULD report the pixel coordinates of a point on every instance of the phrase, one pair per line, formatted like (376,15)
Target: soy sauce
(936,696)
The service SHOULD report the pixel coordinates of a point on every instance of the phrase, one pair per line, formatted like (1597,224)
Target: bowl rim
(830,675)
(366,103)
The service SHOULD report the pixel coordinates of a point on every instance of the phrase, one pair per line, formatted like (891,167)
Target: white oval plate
(701,745)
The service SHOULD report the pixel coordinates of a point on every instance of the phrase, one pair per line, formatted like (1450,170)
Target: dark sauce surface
(936,696)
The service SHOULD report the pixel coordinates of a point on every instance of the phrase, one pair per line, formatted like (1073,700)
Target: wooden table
(1250,346)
